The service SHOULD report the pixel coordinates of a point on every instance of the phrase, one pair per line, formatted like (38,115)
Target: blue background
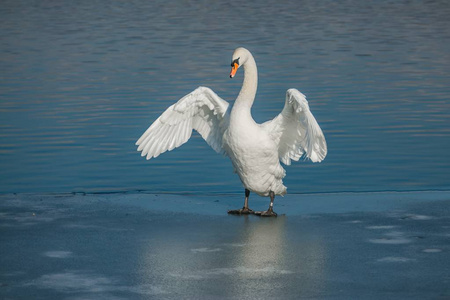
(80,81)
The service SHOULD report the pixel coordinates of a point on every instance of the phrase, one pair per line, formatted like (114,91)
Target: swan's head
(240,56)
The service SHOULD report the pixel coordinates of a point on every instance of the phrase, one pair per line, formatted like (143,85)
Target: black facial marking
(235,61)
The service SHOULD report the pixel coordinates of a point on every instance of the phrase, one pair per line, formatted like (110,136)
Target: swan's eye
(236,61)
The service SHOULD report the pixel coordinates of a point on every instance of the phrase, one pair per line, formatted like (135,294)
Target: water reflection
(251,257)
(263,249)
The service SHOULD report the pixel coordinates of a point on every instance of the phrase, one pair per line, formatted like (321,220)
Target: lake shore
(137,245)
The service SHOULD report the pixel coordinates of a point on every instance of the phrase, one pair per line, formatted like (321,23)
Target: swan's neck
(248,91)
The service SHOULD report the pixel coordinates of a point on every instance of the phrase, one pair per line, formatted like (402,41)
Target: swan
(255,150)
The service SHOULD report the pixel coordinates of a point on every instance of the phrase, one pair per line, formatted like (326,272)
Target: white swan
(254,149)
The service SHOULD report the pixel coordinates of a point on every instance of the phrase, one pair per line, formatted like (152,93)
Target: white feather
(201,110)
(296,131)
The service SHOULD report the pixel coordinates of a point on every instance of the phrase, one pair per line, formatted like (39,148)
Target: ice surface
(134,246)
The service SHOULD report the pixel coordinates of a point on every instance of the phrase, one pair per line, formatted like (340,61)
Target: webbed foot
(242,211)
(267,213)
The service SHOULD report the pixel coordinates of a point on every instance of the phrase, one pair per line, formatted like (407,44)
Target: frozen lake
(144,246)
(80,82)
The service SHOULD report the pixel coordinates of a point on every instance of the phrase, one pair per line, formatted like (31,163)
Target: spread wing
(201,110)
(296,131)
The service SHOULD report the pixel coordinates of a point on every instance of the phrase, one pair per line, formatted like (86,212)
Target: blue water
(81,80)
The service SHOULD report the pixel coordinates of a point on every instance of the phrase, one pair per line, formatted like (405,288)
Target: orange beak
(234,69)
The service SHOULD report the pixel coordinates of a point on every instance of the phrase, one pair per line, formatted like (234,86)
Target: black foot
(242,211)
(267,213)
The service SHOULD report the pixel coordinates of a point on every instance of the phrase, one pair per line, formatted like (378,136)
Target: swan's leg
(245,210)
(269,212)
